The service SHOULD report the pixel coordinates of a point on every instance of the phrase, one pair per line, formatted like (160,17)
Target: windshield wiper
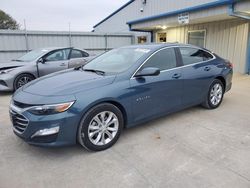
(95,71)
(17,60)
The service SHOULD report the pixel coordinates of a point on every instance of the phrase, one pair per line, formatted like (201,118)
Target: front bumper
(60,129)
(6,82)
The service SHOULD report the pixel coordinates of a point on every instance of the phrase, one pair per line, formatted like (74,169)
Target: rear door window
(76,54)
(85,54)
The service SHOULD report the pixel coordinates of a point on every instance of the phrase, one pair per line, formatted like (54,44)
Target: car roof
(54,48)
(59,48)
(155,46)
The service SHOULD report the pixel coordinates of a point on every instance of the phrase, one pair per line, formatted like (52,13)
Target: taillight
(229,64)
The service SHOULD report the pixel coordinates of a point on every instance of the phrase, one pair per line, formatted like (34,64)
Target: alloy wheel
(23,80)
(103,128)
(216,94)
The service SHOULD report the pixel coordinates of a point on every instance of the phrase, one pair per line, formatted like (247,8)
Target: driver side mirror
(148,71)
(41,60)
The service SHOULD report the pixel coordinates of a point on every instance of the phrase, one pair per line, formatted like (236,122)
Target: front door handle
(62,64)
(207,69)
(176,75)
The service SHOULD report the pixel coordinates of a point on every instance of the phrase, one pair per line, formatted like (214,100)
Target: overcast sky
(56,14)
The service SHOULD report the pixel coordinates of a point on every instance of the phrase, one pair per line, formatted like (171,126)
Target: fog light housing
(46,132)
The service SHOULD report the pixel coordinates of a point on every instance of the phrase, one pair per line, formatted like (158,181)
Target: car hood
(66,83)
(12,64)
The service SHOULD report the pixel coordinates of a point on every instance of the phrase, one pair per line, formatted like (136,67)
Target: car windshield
(116,61)
(32,55)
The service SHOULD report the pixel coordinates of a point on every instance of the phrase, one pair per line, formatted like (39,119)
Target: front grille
(19,122)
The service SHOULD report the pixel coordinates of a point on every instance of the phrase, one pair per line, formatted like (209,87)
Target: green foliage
(7,22)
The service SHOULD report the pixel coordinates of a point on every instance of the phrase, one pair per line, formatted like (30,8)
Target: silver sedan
(38,63)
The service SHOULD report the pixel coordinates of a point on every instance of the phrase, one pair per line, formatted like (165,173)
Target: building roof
(189,9)
(118,10)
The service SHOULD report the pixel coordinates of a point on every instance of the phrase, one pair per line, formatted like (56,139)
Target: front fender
(32,69)
(88,99)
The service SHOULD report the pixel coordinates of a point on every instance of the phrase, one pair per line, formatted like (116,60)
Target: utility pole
(70,42)
(26,36)
(106,42)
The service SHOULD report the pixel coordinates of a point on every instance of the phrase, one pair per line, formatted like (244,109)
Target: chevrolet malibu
(124,87)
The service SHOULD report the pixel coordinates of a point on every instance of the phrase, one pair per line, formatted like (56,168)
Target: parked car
(38,63)
(121,88)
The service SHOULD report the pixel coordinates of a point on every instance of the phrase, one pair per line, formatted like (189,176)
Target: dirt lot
(191,148)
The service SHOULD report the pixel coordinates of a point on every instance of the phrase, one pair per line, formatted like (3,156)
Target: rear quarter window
(194,55)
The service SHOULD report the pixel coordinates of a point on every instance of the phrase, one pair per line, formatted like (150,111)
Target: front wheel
(22,79)
(215,95)
(100,128)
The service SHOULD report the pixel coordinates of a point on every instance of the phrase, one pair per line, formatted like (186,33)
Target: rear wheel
(100,128)
(22,79)
(215,95)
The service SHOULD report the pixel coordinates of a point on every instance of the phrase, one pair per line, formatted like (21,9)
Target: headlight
(50,109)
(5,71)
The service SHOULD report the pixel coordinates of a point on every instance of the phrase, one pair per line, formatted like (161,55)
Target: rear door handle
(207,69)
(176,75)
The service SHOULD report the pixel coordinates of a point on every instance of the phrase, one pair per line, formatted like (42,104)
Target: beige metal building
(222,26)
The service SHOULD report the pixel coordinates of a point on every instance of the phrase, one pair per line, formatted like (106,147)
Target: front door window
(58,55)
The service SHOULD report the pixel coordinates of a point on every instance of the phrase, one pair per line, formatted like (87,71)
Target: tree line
(7,22)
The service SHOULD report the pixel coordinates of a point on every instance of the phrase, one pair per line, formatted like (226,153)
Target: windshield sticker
(142,50)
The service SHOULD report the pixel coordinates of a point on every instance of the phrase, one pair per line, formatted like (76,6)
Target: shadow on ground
(6,93)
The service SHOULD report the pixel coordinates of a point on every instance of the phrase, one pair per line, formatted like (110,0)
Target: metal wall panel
(155,7)
(118,21)
(243,6)
(228,39)
(13,44)
(88,42)
(113,42)
(6,56)
(39,41)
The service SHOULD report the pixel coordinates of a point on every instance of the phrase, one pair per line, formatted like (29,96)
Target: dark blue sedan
(119,89)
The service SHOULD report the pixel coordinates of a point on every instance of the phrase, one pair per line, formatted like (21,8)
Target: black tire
(208,101)
(21,79)
(83,135)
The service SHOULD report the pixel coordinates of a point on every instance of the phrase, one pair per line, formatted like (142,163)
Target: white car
(40,62)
